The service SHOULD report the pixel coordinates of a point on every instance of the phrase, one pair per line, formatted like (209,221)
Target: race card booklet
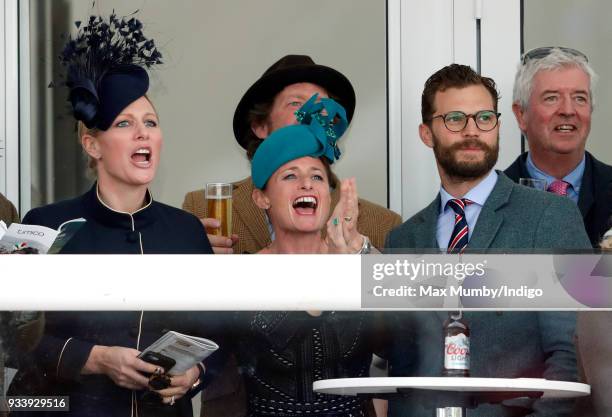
(185,350)
(33,239)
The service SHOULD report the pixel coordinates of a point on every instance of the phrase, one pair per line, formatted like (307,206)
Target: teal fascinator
(320,126)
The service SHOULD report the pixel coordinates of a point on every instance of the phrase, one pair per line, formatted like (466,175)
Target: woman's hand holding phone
(120,364)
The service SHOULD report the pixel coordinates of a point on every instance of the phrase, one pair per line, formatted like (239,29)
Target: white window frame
(14,103)
(422,38)
(2,100)
(9,100)
(25,153)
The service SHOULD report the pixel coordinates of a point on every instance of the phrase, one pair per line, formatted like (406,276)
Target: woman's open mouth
(305,205)
(142,157)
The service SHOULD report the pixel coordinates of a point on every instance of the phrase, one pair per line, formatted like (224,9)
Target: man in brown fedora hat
(270,103)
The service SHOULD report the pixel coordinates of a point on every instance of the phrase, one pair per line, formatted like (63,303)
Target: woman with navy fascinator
(120,133)
(92,357)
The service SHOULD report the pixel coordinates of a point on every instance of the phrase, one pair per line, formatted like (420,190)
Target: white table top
(389,385)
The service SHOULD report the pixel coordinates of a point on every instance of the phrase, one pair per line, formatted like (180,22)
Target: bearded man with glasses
(481,210)
(461,125)
(553,104)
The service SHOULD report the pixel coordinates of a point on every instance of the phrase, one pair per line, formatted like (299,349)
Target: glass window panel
(213,51)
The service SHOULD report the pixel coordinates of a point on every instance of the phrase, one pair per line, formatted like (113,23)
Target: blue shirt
(574,178)
(446,218)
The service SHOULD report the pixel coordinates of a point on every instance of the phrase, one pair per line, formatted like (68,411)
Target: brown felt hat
(288,70)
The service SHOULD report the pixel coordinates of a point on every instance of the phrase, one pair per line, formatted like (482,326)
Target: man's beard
(465,170)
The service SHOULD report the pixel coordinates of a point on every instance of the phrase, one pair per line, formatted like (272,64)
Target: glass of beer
(219,204)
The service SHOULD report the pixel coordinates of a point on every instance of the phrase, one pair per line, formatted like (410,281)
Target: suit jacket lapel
(490,219)
(518,169)
(252,216)
(523,166)
(426,224)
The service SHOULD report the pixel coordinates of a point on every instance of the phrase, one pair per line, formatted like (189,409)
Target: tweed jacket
(509,344)
(249,221)
(595,199)
(514,218)
(8,213)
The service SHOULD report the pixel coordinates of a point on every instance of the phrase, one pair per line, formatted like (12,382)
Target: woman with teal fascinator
(282,353)
(291,174)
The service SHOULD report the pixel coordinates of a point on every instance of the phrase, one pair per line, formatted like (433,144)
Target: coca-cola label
(457,352)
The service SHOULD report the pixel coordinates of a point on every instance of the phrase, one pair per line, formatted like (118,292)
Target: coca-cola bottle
(456,346)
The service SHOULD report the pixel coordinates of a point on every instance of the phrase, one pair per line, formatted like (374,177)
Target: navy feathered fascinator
(106,63)
(322,123)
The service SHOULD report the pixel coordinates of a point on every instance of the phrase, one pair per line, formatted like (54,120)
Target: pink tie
(558,187)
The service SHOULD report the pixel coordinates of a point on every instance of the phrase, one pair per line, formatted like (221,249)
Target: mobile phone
(158,359)
(158,381)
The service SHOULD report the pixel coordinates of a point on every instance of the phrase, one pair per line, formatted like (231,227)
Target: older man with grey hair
(553,104)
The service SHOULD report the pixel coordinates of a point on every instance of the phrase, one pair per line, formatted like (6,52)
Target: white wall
(423,38)
(584,25)
(215,49)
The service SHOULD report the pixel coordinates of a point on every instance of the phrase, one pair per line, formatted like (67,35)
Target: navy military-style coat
(54,368)
(154,229)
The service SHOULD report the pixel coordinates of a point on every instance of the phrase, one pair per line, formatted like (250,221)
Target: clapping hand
(342,234)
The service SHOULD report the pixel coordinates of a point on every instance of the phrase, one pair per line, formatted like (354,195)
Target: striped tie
(459,239)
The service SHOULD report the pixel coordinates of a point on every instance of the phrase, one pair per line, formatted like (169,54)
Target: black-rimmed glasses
(544,51)
(456,121)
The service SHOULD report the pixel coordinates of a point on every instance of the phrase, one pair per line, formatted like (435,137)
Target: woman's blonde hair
(83,130)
